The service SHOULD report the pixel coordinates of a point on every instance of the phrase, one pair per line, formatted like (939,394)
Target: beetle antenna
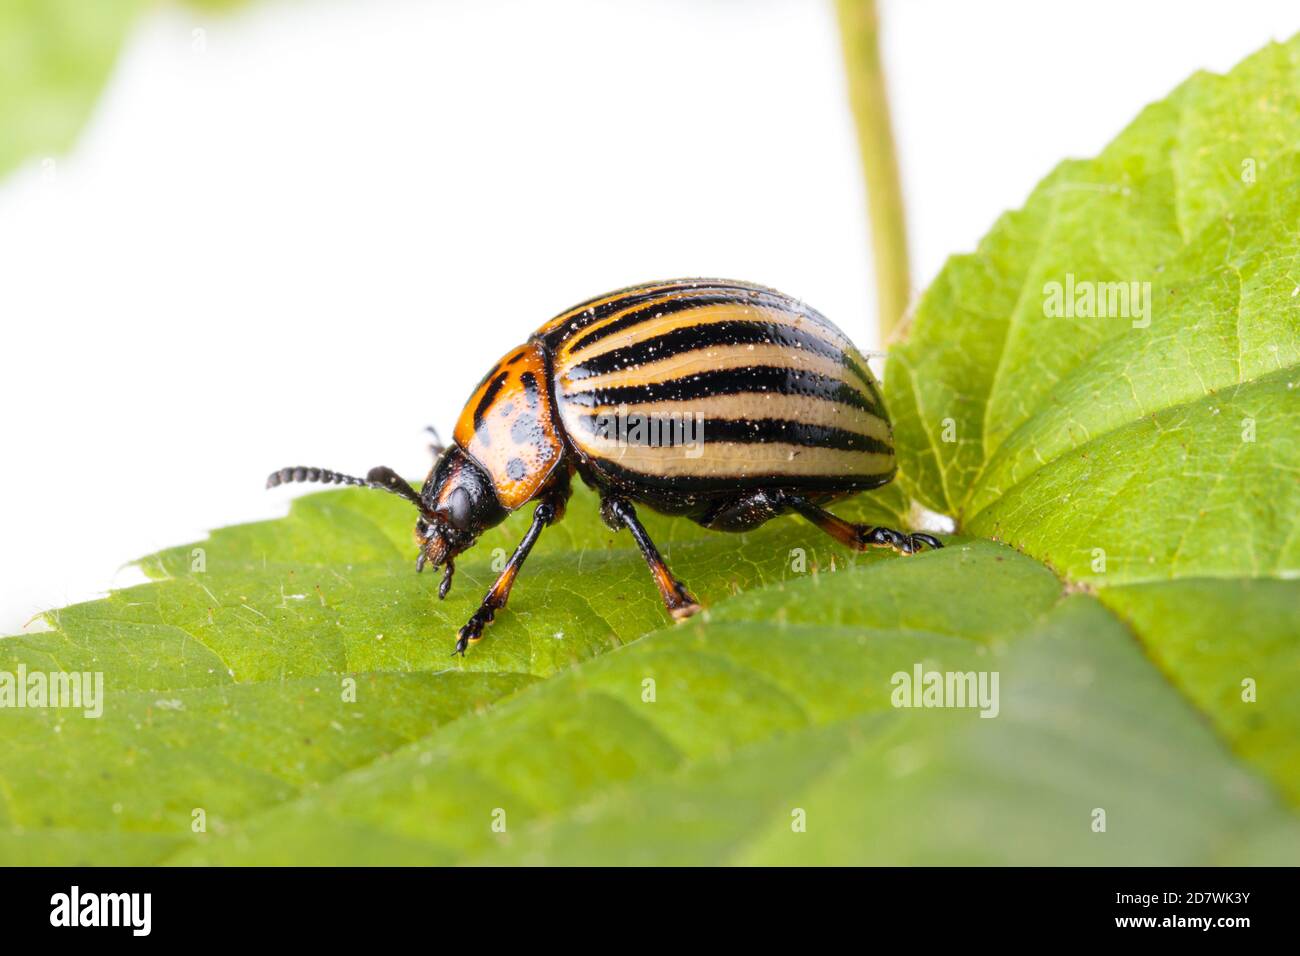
(385,479)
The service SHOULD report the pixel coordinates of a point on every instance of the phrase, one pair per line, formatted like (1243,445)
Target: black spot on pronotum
(489,396)
(531,392)
(516,469)
(524,431)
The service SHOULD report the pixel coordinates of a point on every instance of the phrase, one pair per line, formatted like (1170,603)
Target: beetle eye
(458,508)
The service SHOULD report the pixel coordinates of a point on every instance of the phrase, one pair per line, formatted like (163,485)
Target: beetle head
(458,504)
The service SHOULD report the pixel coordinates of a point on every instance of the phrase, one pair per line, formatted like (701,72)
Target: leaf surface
(1126,492)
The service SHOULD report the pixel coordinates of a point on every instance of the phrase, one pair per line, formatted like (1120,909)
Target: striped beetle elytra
(784,416)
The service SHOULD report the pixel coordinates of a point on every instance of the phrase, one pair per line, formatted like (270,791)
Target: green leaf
(1127,567)
(1155,465)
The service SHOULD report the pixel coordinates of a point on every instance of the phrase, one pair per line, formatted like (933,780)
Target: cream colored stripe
(735,459)
(805,409)
(714,358)
(582,349)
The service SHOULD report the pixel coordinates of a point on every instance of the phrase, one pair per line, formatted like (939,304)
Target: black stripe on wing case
(665,430)
(489,396)
(712,295)
(759,379)
(723,485)
(588,313)
(645,313)
(694,338)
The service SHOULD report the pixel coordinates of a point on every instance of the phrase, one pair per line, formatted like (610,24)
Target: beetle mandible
(727,402)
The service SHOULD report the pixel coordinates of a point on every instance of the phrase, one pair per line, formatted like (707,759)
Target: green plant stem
(868,99)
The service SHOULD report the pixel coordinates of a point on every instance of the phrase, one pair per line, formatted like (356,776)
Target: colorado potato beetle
(727,402)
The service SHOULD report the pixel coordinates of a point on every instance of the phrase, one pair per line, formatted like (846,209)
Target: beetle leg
(619,513)
(445,585)
(436,447)
(860,536)
(499,593)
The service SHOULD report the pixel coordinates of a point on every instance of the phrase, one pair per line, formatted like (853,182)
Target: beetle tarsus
(929,540)
(900,541)
(860,536)
(472,632)
(688,608)
(685,606)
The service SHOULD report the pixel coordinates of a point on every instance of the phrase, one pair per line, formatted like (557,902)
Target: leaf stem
(869,102)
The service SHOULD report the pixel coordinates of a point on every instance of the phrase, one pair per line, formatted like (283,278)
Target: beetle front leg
(499,593)
(436,447)
(860,536)
(619,513)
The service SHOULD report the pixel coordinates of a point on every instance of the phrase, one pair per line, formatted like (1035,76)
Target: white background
(305,233)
